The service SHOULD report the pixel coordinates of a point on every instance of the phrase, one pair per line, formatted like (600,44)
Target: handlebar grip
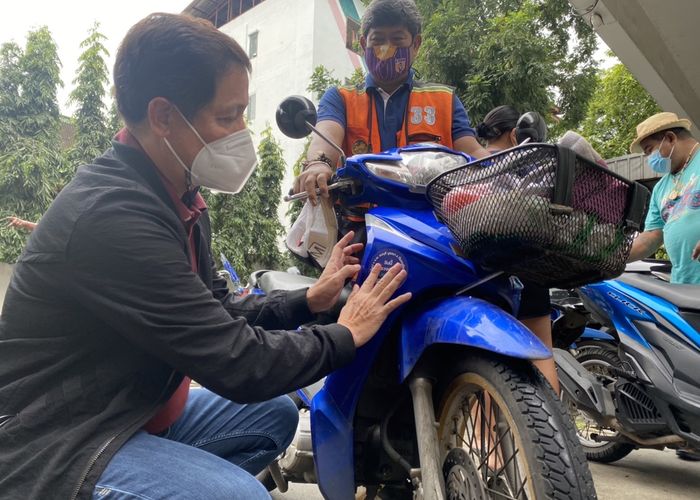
(304,195)
(299,196)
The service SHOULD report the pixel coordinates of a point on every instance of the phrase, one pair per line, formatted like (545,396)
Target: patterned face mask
(388,63)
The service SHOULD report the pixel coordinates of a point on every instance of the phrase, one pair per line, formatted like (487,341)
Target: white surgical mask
(222,165)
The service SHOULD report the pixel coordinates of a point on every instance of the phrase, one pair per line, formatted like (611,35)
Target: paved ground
(643,475)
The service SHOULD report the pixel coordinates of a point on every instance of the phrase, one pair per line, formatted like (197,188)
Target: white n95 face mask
(222,165)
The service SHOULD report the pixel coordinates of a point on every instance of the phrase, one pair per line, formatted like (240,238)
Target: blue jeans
(210,452)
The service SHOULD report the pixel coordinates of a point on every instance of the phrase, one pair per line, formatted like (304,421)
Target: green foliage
(114,121)
(93,133)
(618,104)
(37,107)
(246,227)
(321,80)
(357,77)
(531,54)
(10,82)
(294,208)
(32,173)
(32,166)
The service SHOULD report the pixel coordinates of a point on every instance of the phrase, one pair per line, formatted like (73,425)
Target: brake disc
(462,479)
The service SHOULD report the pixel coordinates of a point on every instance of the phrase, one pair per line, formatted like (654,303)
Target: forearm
(277,310)
(470,146)
(319,148)
(645,244)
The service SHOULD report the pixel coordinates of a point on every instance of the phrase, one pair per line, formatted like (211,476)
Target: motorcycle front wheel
(504,435)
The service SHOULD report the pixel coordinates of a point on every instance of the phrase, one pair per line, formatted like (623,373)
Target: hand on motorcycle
(316,175)
(342,265)
(369,305)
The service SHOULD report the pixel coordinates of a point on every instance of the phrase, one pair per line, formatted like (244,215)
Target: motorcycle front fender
(470,322)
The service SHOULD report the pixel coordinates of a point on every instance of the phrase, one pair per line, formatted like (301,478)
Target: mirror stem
(335,146)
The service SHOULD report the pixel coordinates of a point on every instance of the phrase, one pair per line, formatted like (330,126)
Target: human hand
(341,266)
(696,252)
(369,305)
(316,175)
(18,223)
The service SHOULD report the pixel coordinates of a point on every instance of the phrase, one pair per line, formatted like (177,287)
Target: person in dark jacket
(114,306)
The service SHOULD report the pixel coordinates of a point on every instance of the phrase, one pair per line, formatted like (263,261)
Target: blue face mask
(660,164)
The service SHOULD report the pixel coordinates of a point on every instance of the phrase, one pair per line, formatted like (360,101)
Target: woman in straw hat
(674,211)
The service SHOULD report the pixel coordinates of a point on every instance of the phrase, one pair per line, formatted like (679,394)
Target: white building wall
(5,275)
(294,37)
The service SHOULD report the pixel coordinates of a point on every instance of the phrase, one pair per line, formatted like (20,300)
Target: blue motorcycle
(641,389)
(444,401)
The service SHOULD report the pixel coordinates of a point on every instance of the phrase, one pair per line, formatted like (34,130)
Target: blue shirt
(675,208)
(332,107)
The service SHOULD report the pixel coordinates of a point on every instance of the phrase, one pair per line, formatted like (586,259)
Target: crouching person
(114,306)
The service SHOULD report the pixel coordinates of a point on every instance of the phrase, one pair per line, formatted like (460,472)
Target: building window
(250,116)
(253,44)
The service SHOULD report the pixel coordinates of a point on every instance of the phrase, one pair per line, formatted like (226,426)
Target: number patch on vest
(419,114)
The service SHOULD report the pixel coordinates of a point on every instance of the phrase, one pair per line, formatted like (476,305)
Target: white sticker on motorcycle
(387,259)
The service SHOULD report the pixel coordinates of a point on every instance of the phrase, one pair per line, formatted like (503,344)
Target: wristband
(321,158)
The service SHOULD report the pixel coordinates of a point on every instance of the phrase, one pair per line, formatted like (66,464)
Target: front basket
(542,213)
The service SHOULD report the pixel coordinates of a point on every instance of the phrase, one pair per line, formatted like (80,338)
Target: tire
(538,451)
(581,347)
(599,360)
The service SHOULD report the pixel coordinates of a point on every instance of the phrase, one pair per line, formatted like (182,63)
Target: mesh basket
(542,213)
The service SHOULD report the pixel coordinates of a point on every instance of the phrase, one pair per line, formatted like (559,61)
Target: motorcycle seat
(280,280)
(682,296)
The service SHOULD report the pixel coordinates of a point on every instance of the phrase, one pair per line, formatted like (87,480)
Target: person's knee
(225,487)
(286,419)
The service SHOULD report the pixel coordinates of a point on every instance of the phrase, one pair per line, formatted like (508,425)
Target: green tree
(10,82)
(92,131)
(246,227)
(532,54)
(37,111)
(321,80)
(32,167)
(357,77)
(618,104)
(114,121)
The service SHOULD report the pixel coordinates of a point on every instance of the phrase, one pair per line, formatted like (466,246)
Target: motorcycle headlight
(417,168)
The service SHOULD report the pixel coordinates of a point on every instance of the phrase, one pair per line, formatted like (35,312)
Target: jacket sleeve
(129,269)
(279,309)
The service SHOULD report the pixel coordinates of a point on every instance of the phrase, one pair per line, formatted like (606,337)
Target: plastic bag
(315,232)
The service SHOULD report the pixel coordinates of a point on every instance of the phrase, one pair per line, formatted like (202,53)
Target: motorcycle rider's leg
(149,467)
(534,313)
(250,436)
(541,326)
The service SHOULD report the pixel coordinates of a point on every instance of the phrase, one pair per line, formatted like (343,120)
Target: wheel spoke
(487,434)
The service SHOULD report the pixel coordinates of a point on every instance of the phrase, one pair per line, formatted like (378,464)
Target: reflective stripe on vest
(427,118)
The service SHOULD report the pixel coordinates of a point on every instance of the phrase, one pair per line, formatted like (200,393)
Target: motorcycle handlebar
(304,195)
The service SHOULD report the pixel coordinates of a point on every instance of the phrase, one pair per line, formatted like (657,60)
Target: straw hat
(654,124)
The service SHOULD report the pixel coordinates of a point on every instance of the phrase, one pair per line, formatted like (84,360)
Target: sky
(69,22)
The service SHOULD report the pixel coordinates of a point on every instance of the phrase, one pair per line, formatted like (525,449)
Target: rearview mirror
(293,116)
